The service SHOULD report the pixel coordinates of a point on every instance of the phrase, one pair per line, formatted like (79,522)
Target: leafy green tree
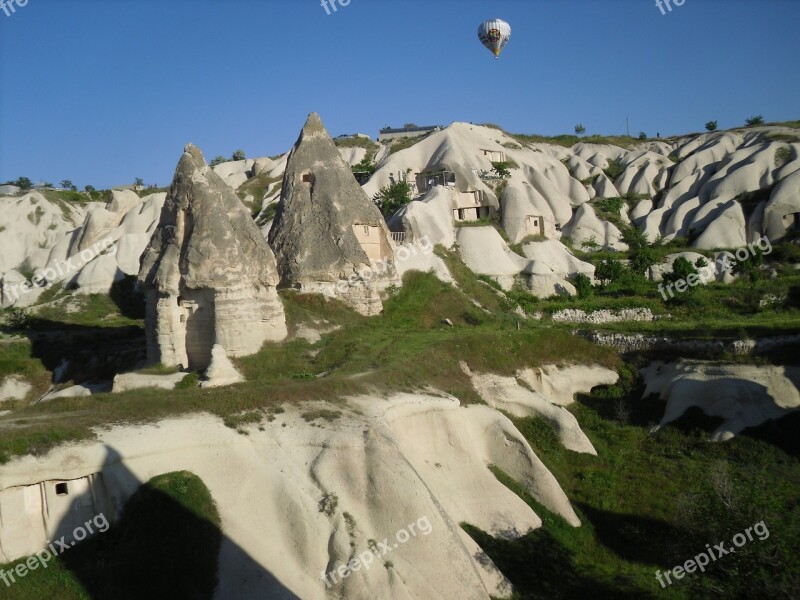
(365,166)
(23,183)
(609,271)
(641,256)
(751,267)
(238,155)
(580,129)
(139,182)
(67,184)
(681,270)
(755,120)
(711,126)
(502,169)
(583,285)
(89,189)
(642,135)
(393,197)
(218,160)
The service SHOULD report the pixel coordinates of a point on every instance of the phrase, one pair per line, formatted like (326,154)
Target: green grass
(165,545)
(651,502)
(407,348)
(256,187)
(403,143)
(96,310)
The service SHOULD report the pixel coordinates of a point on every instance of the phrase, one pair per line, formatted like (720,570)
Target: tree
(641,256)
(681,270)
(365,166)
(393,197)
(580,129)
(238,155)
(89,189)
(755,120)
(751,266)
(583,285)
(23,183)
(68,185)
(409,125)
(711,126)
(609,270)
(642,135)
(218,160)
(501,169)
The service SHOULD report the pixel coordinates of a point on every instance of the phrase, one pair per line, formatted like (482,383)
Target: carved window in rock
(62,489)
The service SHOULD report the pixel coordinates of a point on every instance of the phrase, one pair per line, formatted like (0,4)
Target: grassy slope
(651,503)
(646,502)
(408,347)
(165,545)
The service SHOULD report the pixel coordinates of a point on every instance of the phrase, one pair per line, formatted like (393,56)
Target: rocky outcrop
(302,499)
(327,233)
(208,275)
(125,382)
(742,395)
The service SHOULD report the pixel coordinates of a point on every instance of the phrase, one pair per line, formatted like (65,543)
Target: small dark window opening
(62,489)
(308,178)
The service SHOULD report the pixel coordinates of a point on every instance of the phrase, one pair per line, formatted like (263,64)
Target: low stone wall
(574,315)
(637,342)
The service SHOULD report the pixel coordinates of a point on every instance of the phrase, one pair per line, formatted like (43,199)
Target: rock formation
(328,236)
(208,275)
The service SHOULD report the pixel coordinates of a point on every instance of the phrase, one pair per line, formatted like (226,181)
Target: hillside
(545,387)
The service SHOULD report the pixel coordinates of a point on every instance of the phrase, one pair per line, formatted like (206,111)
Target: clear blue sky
(103,91)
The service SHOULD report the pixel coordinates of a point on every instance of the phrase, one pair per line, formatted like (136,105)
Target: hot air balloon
(494,34)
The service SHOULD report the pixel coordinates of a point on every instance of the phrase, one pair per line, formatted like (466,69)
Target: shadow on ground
(165,544)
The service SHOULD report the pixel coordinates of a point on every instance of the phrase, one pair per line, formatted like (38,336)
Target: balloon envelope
(494,34)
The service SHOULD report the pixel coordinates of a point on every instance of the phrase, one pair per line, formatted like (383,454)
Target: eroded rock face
(327,231)
(208,275)
(742,395)
(301,499)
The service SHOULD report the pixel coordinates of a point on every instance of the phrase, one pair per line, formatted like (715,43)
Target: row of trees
(710,126)
(238,155)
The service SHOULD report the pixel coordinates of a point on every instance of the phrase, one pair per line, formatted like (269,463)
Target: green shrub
(583,285)
(609,205)
(190,381)
(609,270)
(393,197)
(614,169)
